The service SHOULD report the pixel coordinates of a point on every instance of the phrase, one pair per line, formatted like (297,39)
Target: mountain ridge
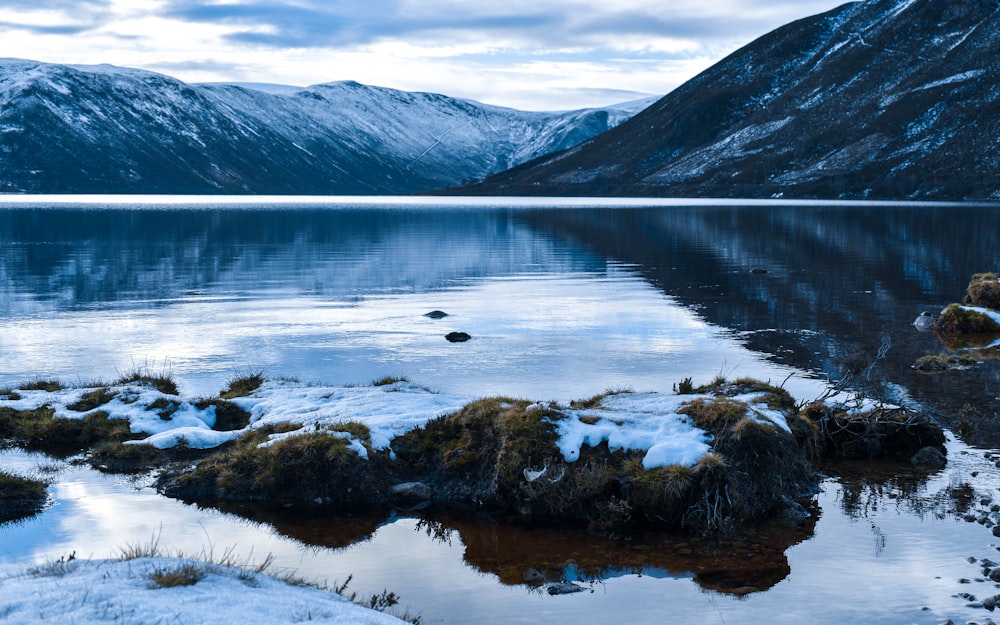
(884,99)
(107,129)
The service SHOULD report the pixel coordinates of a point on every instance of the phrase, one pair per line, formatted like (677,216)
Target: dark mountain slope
(112,130)
(878,99)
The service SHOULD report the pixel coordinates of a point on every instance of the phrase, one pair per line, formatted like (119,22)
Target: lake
(564,299)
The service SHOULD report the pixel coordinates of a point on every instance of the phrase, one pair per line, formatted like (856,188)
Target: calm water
(563,302)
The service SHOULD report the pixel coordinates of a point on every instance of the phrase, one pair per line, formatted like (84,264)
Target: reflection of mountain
(63,259)
(838,279)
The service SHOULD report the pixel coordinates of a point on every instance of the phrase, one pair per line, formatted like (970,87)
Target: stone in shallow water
(457,337)
(563,588)
(436,314)
(412,490)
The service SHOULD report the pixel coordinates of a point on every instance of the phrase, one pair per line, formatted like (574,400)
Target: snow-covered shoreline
(86,592)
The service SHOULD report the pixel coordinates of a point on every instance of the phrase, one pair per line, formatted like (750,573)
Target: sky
(528,54)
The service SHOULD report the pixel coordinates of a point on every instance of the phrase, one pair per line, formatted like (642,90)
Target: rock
(958,320)
(758,270)
(790,513)
(995,575)
(984,291)
(563,588)
(924,321)
(534,576)
(413,491)
(436,314)
(929,457)
(996,531)
(457,337)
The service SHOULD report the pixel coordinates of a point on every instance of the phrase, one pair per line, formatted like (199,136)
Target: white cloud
(554,55)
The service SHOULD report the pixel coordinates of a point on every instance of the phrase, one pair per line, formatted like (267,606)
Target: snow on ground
(646,421)
(635,421)
(85,592)
(388,411)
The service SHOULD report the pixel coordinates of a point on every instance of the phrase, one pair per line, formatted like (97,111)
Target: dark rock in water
(436,314)
(929,457)
(534,576)
(417,491)
(563,588)
(790,513)
(457,337)
(758,270)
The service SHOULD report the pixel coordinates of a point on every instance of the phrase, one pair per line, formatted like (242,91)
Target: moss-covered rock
(984,291)
(936,363)
(957,320)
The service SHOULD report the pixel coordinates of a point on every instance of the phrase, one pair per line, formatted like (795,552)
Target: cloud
(550,25)
(54,17)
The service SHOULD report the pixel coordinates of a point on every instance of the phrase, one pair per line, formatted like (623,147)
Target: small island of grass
(707,458)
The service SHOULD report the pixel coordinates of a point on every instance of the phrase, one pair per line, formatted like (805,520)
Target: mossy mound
(316,468)
(957,320)
(39,430)
(502,456)
(984,291)
(479,454)
(886,433)
(937,363)
(20,497)
(754,466)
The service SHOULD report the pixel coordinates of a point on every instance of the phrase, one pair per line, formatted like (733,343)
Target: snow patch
(94,592)
(636,421)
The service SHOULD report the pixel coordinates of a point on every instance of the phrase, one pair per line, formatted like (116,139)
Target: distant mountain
(103,129)
(880,99)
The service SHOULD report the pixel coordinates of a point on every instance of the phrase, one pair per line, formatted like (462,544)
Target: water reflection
(877,564)
(533,556)
(816,287)
(337,294)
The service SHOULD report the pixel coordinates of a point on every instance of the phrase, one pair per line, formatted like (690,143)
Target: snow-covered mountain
(104,129)
(878,99)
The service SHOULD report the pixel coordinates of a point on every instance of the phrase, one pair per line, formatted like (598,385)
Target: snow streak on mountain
(892,99)
(103,129)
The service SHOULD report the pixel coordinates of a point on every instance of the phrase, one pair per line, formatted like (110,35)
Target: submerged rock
(563,588)
(929,457)
(436,314)
(936,363)
(457,337)
(412,491)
